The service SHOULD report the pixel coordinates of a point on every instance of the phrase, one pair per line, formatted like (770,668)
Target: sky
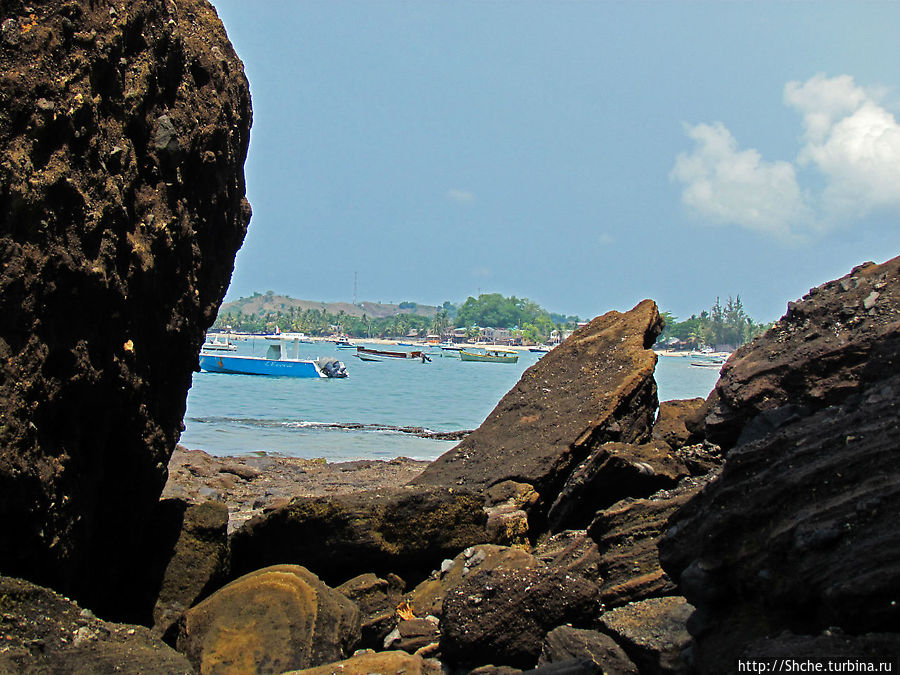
(585,155)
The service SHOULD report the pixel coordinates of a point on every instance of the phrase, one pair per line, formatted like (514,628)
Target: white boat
(275,362)
(218,345)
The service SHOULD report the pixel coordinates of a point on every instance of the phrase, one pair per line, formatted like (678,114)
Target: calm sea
(239,414)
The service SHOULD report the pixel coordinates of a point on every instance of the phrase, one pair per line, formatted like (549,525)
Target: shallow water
(238,414)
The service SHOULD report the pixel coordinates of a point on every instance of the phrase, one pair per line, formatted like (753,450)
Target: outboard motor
(332,367)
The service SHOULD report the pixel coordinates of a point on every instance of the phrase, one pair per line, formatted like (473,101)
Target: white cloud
(727,185)
(849,139)
(460,196)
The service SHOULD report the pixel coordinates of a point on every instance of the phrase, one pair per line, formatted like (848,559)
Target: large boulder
(829,344)
(681,422)
(275,619)
(370,662)
(405,531)
(123,133)
(501,616)
(653,633)
(565,643)
(596,387)
(43,632)
(799,532)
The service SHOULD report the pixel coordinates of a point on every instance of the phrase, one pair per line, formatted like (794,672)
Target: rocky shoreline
(250,484)
(584,527)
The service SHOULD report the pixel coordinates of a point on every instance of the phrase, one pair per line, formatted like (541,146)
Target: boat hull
(487,358)
(255,365)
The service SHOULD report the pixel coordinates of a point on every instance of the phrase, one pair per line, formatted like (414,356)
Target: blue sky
(585,155)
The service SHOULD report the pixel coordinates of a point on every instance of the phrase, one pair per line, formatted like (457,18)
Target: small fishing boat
(218,345)
(382,353)
(491,355)
(539,349)
(275,362)
(708,363)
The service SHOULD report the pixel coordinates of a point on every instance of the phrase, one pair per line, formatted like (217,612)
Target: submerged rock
(122,141)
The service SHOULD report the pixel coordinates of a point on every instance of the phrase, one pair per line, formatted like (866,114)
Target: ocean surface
(240,414)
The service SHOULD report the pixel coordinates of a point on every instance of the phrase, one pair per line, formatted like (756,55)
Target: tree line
(722,325)
(521,315)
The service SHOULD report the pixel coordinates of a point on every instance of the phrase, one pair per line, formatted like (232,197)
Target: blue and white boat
(275,362)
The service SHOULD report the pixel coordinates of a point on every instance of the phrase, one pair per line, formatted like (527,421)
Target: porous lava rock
(123,132)
(653,633)
(404,531)
(565,643)
(275,619)
(501,616)
(838,337)
(596,387)
(43,632)
(428,597)
(798,533)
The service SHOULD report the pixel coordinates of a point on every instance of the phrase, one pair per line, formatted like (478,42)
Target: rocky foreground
(584,527)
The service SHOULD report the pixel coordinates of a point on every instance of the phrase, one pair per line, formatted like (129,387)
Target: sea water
(239,414)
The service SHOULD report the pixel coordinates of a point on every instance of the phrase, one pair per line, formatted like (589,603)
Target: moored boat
(218,345)
(382,353)
(275,362)
(490,355)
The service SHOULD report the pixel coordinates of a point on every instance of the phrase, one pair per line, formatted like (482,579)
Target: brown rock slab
(838,337)
(43,632)
(275,619)
(799,531)
(427,598)
(627,535)
(612,472)
(564,644)
(501,616)
(652,632)
(386,663)
(406,531)
(122,143)
(681,422)
(571,551)
(596,387)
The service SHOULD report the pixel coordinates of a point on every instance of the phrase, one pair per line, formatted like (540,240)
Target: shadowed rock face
(799,532)
(596,387)
(840,336)
(123,132)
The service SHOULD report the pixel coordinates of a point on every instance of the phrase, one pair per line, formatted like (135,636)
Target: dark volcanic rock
(276,619)
(566,643)
(191,566)
(613,471)
(798,533)
(377,600)
(627,535)
(406,531)
(501,616)
(838,337)
(831,645)
(43,632)
(653,633)
(123,135)
(596,387)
